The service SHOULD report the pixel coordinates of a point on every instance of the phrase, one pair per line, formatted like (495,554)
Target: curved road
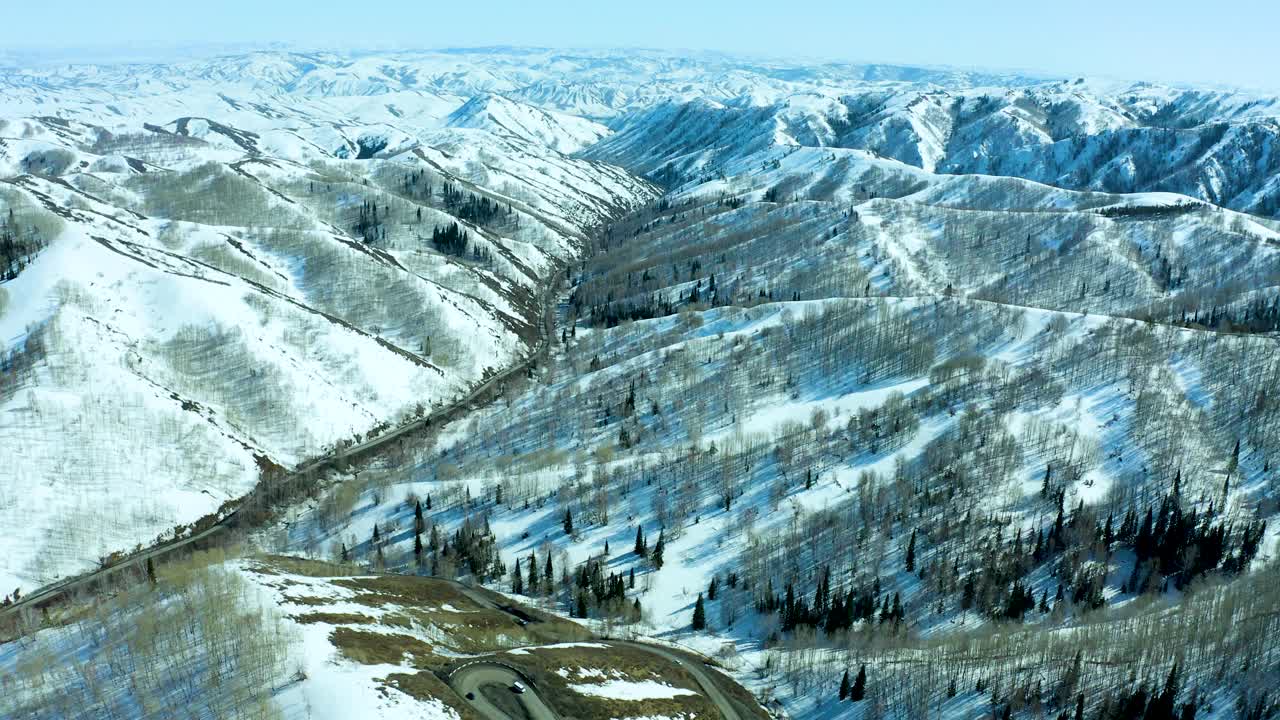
(699,673)
(501,674)
(470,678)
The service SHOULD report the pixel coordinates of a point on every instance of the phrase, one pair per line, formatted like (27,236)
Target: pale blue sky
(1235,42)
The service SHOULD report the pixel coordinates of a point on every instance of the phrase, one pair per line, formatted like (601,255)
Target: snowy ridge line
(516,203)
(924,297)
(1125,318)
(54,592)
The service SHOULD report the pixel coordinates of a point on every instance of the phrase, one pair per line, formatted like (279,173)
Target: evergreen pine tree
(658,548)
(911,553)
(517,579)
(1162,705)
(699,615)
(640,550)
(859,689)
(568,522)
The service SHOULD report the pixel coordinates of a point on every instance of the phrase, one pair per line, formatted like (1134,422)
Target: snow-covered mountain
(882,355)
(1079,134)
(501,116)
(1212,146)
(229,266)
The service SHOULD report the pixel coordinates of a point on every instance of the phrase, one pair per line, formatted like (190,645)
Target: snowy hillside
(500,116)
(214,281)
(919,466)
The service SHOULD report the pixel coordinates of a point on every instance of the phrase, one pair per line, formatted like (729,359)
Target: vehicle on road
(471,696)
(517,688)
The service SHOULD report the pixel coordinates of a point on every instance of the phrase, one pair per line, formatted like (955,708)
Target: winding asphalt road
(470,678)
(483,673)
(699,673)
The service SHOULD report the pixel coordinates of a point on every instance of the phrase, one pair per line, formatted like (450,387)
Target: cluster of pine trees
(606,593)
(610,314)
(1261,314)
(1171,548)
(655,554)
(607,312)
(831,611)
(472,208)
(857,690)
(450,239)
(17,246)
(1143,703)
(417,185)
(472,549)
(369,225)
(587,589)
(538,579)
(1182,546)
(1149,211)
